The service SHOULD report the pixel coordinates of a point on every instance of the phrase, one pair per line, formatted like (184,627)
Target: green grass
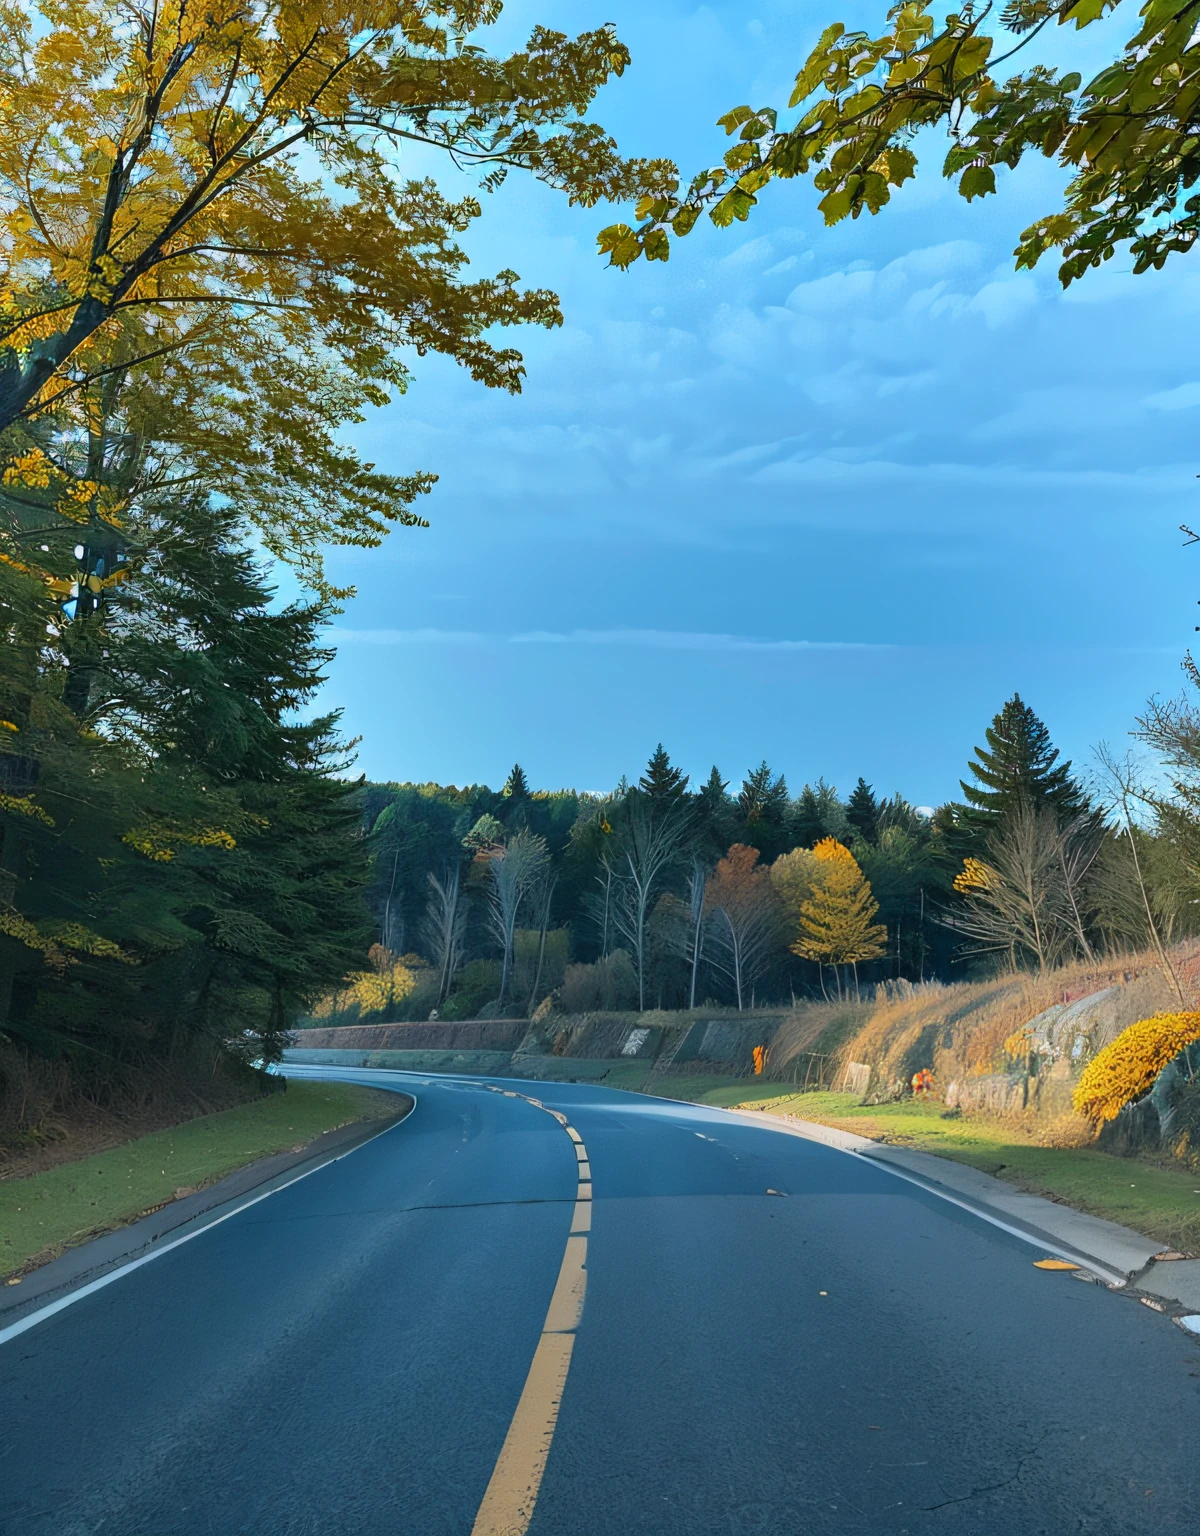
(48,1212)
(1159,1200)
(699,1088)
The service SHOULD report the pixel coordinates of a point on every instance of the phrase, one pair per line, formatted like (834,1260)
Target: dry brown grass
(959,1030)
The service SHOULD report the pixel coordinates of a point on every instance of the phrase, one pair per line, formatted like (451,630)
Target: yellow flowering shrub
(1126,1069)
(376,991)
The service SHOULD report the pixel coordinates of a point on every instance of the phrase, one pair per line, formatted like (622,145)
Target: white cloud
(1182,398)
(1002,303)
(643,639)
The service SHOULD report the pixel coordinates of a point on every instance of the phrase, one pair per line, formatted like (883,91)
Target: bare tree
(1016,901)
(1171,733)
(446,926)
(1079,844)
(599,904)
(541,895)
(651,840)
(697,885)
(513,870)
(389,938)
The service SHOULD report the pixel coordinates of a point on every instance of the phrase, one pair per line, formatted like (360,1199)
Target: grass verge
(43,1215)
(1160,1200)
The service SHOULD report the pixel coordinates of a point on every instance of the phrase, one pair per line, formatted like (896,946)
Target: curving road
(850,1355)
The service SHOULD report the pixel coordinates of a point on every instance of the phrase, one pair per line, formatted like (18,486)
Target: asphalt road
(852,1355)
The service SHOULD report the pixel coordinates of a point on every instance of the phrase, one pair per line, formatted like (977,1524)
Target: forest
(667,894)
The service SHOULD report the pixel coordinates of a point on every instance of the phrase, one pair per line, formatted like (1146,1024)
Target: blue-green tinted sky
(823,496)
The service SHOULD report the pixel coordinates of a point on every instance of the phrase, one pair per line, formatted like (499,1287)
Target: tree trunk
(387,906)
(537,975)
(1082,937)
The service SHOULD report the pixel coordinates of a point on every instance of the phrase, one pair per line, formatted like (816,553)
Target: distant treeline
(668,894)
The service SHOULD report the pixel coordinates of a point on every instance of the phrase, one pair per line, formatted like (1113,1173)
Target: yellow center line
(516,1479)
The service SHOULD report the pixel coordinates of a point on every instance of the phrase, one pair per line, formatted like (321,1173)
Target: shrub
(605,986)
(1126,1069)
(1185,1123)
(476,984)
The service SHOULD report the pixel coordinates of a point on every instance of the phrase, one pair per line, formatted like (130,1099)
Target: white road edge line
(1118,1277)
(33,1318)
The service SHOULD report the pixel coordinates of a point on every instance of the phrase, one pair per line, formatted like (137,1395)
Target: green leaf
(736,204)
(836,206)
(977,181)
(656,246)
(732,121)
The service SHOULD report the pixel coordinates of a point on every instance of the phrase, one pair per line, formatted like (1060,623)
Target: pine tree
(516,786)
(862,811)
(818,813)
(762,811)
(1019,766)
(661,783)
(713,791)
(716,818)
(763,798)
(218,873)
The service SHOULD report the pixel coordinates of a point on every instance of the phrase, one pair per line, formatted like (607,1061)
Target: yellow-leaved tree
(213,196)
(837,920)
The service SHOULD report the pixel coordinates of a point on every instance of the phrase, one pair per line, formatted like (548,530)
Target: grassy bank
(48,1212)
(1160,1200)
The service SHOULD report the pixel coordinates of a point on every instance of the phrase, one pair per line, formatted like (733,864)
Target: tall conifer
(663,783)
(1019,766)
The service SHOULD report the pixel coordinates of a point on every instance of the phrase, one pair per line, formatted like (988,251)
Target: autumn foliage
(837,922)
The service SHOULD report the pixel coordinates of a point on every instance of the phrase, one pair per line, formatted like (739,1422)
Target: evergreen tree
(716,818)
(516,786)
(862,811)
(205,864)
(1018,766)
(762,811)
(663,784)
(818,813)
(514,804)
(712,793)
(763,798)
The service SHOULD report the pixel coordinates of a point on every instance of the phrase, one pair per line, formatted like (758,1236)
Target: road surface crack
(976,1493)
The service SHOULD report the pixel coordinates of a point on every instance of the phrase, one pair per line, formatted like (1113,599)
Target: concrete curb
(1123,1259)
(88,1261)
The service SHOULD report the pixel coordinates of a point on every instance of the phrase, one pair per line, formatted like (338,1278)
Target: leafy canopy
(1128,137)
(211,195)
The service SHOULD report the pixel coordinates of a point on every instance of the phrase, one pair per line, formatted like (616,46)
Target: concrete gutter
(82,1265)
(1123,1260)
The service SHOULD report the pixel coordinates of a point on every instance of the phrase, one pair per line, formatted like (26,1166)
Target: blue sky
(822,496)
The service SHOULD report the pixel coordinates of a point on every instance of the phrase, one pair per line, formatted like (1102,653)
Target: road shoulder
(90,1261)
(1122,1259)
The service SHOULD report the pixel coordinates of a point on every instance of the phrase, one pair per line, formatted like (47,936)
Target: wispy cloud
(644,639)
